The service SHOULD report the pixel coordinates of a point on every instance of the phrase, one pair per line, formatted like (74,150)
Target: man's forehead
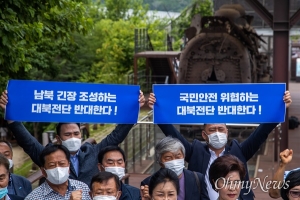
(214,125)
(56,156)
(4,145)
(113,155)
(69,126)
(54,160)
(108,184)
(173,152)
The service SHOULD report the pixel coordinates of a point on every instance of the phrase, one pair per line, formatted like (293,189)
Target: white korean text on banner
(219,103)
(45,101)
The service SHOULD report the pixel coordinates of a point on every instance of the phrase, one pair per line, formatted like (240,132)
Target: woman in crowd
(170,154)
(225,175)
(291,190)
(164,184)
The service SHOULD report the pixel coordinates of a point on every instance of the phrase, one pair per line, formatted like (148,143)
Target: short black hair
(215,123)
(162,176)
(103,177)
(107,149)
(51,148)
(4,161)
(8,144)
(58,127)
(292,180)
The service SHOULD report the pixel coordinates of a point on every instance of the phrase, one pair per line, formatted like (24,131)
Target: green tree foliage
(116,9)
(34,32)
(180,24)
(121,9)
(113,51)
(36,37)
(111,42)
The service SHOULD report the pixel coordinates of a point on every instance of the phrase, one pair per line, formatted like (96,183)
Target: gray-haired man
(170,153)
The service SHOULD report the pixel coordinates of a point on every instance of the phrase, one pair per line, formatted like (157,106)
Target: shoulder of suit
(19,177)
(233,142)
(14,197)
(199,143)
(87,146)
(130,187)
(189,172)
(133,191)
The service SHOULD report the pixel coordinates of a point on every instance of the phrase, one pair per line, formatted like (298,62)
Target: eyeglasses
(295,194)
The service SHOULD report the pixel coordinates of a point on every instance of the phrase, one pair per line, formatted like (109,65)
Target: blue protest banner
(44,101)
(219,103)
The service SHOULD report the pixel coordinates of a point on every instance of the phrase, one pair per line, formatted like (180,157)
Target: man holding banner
(200,156)
(83,157)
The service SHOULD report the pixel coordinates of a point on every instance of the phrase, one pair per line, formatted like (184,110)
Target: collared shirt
(181,195)
(7,197)
(45,192)
(10,187)
(211,192)
(75,162)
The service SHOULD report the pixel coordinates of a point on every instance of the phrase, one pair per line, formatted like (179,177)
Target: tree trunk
(36,135)
(36,130)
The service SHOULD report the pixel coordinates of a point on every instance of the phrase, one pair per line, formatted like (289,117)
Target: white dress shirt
(211,192)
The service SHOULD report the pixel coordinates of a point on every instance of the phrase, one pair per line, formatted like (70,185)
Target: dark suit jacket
(88,153)
(190,184)
(21,185)
(198,156)
(129,192)
(15,197)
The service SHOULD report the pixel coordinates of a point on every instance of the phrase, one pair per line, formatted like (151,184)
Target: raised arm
(29,143)
(278,180)
(251,145)
(170,130)
(25,140)
(118,135)
(115,137)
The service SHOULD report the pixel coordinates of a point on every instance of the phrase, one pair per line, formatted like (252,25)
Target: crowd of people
(216,170)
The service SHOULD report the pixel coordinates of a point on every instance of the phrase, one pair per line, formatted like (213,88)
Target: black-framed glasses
(295,194)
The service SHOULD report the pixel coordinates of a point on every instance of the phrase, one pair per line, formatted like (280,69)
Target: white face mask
(176,166)
(119,171)
(57,175)
(11,163)
(217,140)
(104,197)
(72,144)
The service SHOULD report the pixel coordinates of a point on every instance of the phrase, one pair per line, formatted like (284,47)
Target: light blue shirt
(75,162)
